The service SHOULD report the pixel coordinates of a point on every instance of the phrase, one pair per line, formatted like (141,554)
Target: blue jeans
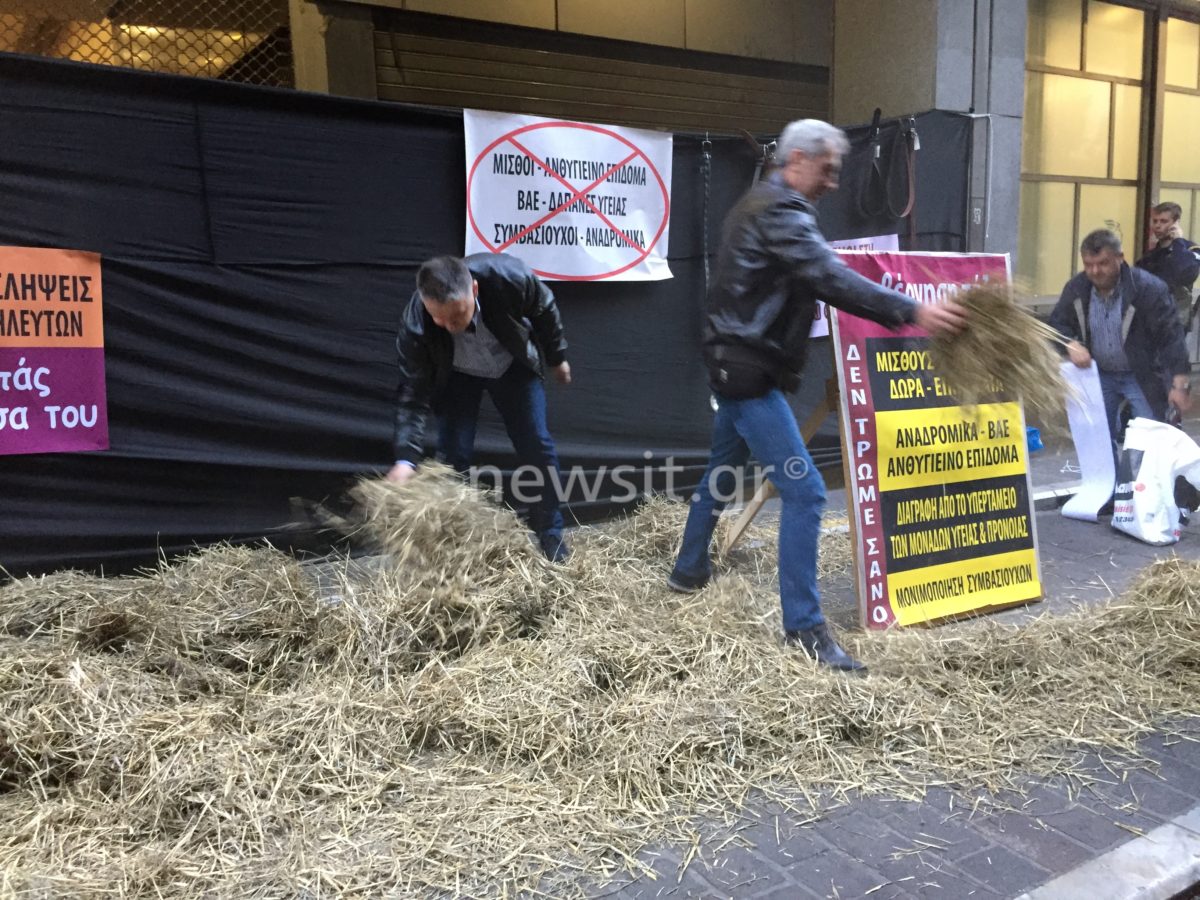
(520,399)
(765,426)
(1115,386)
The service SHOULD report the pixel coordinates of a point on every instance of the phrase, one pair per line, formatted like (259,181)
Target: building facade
(1111,123)
(1087,111)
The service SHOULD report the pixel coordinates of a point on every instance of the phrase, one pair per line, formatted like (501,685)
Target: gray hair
(812,137)
(1100,240)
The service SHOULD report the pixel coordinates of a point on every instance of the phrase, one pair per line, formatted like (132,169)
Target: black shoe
(686,584)
(554,547)
(820,645)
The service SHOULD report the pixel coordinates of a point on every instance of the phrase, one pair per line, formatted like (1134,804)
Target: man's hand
(1180,393)
(940,318)
(400,473)
(1079,354)
(1174,232)
(562,372)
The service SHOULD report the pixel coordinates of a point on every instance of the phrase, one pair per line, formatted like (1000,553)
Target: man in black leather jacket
(484,323)
(773,265)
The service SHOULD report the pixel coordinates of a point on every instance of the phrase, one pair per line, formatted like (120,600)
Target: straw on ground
(462,718)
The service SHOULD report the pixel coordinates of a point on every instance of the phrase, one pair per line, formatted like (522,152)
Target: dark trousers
(520,398)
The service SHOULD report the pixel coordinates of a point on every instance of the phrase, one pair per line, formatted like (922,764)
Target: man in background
(1173,258)
(1125,320)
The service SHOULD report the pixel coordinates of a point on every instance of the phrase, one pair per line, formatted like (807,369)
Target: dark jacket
(773,266)
(516,307)
(1153,337)
(1177,263)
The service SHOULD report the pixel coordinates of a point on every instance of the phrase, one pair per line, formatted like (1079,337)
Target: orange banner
(50,298)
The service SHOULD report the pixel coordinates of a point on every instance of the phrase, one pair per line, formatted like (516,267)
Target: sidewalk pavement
(1110,835)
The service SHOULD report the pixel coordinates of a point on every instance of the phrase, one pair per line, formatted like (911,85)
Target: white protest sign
(577,202)
(1093,443)
(879,243)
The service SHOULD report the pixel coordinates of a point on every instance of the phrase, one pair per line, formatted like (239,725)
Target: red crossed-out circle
(577,194)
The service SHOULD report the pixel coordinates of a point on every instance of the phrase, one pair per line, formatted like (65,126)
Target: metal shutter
(437,61)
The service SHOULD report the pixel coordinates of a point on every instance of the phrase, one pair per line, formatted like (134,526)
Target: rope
(875,200)
(875,184)
(706,169)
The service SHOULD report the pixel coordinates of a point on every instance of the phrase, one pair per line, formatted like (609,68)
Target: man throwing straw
(772,267)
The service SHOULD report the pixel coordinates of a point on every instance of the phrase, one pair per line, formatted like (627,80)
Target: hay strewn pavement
(473,721)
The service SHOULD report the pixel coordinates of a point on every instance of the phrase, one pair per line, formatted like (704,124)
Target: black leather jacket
(773,266)
(516,307)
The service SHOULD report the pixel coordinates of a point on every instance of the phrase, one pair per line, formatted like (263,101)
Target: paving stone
(726,883)
(1143,800)
(657,890)
(937,882)
(790,891)
(668,885)
(951,832)
(1110,803)
(1181,777)
(1021,832)
(833,874)
(1003,871)
(863,837)
(1098,832)
(1151,793)
(1090,817)
(1176,747)
(737,871)
(783,847)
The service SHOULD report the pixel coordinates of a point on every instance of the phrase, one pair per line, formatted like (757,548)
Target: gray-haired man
(773,265)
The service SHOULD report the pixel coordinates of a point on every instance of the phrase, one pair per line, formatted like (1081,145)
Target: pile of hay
(476,721)
(1003,349)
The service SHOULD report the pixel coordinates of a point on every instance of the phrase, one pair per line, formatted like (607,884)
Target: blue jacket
(1177,263)
(1153,335)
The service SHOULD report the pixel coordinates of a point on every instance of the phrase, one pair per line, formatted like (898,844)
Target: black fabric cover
(257,247)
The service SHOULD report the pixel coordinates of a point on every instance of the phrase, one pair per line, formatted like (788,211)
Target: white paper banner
(577,202)
(882,242)
(1093,443)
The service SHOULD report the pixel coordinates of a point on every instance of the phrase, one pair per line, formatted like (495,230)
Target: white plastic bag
(1155,453)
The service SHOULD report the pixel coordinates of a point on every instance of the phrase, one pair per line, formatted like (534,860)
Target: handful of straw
(1003,348)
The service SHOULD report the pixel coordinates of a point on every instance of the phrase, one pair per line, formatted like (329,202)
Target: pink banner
(939,493)
(52,391)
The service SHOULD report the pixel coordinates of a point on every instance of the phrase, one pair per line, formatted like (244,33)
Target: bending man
(484,323)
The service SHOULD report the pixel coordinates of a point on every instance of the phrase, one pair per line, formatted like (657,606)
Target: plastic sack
(1154,455)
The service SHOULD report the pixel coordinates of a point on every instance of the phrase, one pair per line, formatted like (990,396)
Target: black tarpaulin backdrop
(257,247)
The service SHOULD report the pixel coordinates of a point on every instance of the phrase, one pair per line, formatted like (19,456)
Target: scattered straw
(475,721)
(1004,348)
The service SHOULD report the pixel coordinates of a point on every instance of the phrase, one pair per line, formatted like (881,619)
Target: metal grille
(235,40)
